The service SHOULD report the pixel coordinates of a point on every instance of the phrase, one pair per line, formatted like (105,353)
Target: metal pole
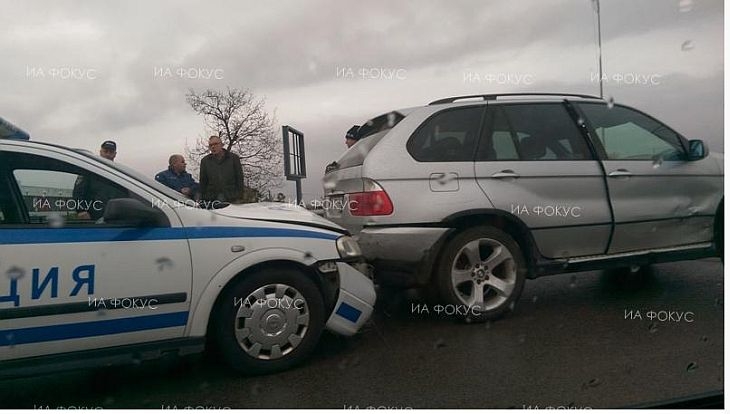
(600,57)
(299,191)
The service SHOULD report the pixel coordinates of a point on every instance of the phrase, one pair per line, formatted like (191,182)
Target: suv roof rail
(493,96)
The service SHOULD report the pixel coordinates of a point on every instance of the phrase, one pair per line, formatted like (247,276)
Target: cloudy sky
(79,72)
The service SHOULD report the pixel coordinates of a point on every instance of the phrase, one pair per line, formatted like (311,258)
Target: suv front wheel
(481,272)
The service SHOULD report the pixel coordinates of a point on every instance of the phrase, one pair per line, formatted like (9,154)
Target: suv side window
(57,194)
(449,135)
(532,132)
(626,134)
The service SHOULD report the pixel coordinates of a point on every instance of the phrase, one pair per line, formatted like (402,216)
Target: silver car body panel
(571,209)
(663,204)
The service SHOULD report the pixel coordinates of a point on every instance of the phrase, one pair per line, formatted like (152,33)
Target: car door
(72,284)
(534,162)
(659,198)
(441,181)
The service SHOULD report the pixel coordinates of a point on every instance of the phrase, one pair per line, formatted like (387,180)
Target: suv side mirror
(697,150)
(132,212)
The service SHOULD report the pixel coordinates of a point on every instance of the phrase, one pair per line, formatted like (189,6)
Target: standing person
(93,191)
(221,174)
(351,136)
(108,150)
(177,178)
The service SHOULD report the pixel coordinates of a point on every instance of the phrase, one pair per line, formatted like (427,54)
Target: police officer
(351,136)
(92,193)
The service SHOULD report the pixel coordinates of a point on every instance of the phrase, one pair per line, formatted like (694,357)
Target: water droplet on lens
(572,283)
(653,327)
(704,339)
(534,299)
(691,367)
(164,262)
(308,255)
(56,220)
(685,6)
(512,306)
(487,324)
(10,339)
(15,273)
(440,343)
(521,339)
(593,383)
(610,102)
(687,45)
(391,119)
(108,401)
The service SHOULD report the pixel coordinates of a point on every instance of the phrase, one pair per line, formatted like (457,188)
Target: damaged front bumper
(355,300)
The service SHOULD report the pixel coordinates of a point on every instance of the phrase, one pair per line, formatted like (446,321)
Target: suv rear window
(378,124)
(449,135)
(370,133)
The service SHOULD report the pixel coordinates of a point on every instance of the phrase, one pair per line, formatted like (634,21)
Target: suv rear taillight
(374,201)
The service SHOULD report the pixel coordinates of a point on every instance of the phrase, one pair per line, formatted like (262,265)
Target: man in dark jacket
(221,174)
(351,136)
(177,178)
(91,193)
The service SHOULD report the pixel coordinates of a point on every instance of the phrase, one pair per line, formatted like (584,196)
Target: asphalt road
(573,340)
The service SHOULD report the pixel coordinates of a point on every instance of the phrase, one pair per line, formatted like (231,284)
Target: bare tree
(246,129)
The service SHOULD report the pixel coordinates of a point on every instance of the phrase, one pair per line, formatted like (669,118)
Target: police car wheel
(269,321)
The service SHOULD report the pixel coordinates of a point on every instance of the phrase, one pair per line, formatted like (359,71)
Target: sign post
(295,167)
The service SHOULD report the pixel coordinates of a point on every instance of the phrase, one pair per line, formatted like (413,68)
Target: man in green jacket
(221,174)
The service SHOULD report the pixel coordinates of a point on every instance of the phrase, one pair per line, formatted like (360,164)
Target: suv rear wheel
(481,272)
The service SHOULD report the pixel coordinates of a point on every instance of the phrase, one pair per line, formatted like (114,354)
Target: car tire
(268,321)
(481,259)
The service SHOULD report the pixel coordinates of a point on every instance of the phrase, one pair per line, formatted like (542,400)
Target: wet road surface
(573,340)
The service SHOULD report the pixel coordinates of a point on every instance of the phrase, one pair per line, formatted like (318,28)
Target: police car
(157,274)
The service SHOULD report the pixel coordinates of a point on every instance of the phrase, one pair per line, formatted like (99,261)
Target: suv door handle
(505,174)
(620,173)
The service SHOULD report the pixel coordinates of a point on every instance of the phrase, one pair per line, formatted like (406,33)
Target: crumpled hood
(278,212)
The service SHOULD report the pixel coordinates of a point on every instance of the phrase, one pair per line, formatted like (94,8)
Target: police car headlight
(348,247)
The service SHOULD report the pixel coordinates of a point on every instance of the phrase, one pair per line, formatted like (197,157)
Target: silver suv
(472,195)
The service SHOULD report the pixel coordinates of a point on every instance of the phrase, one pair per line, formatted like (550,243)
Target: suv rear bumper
(402,256)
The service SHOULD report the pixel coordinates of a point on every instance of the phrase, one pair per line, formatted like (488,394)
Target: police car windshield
(140,177)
